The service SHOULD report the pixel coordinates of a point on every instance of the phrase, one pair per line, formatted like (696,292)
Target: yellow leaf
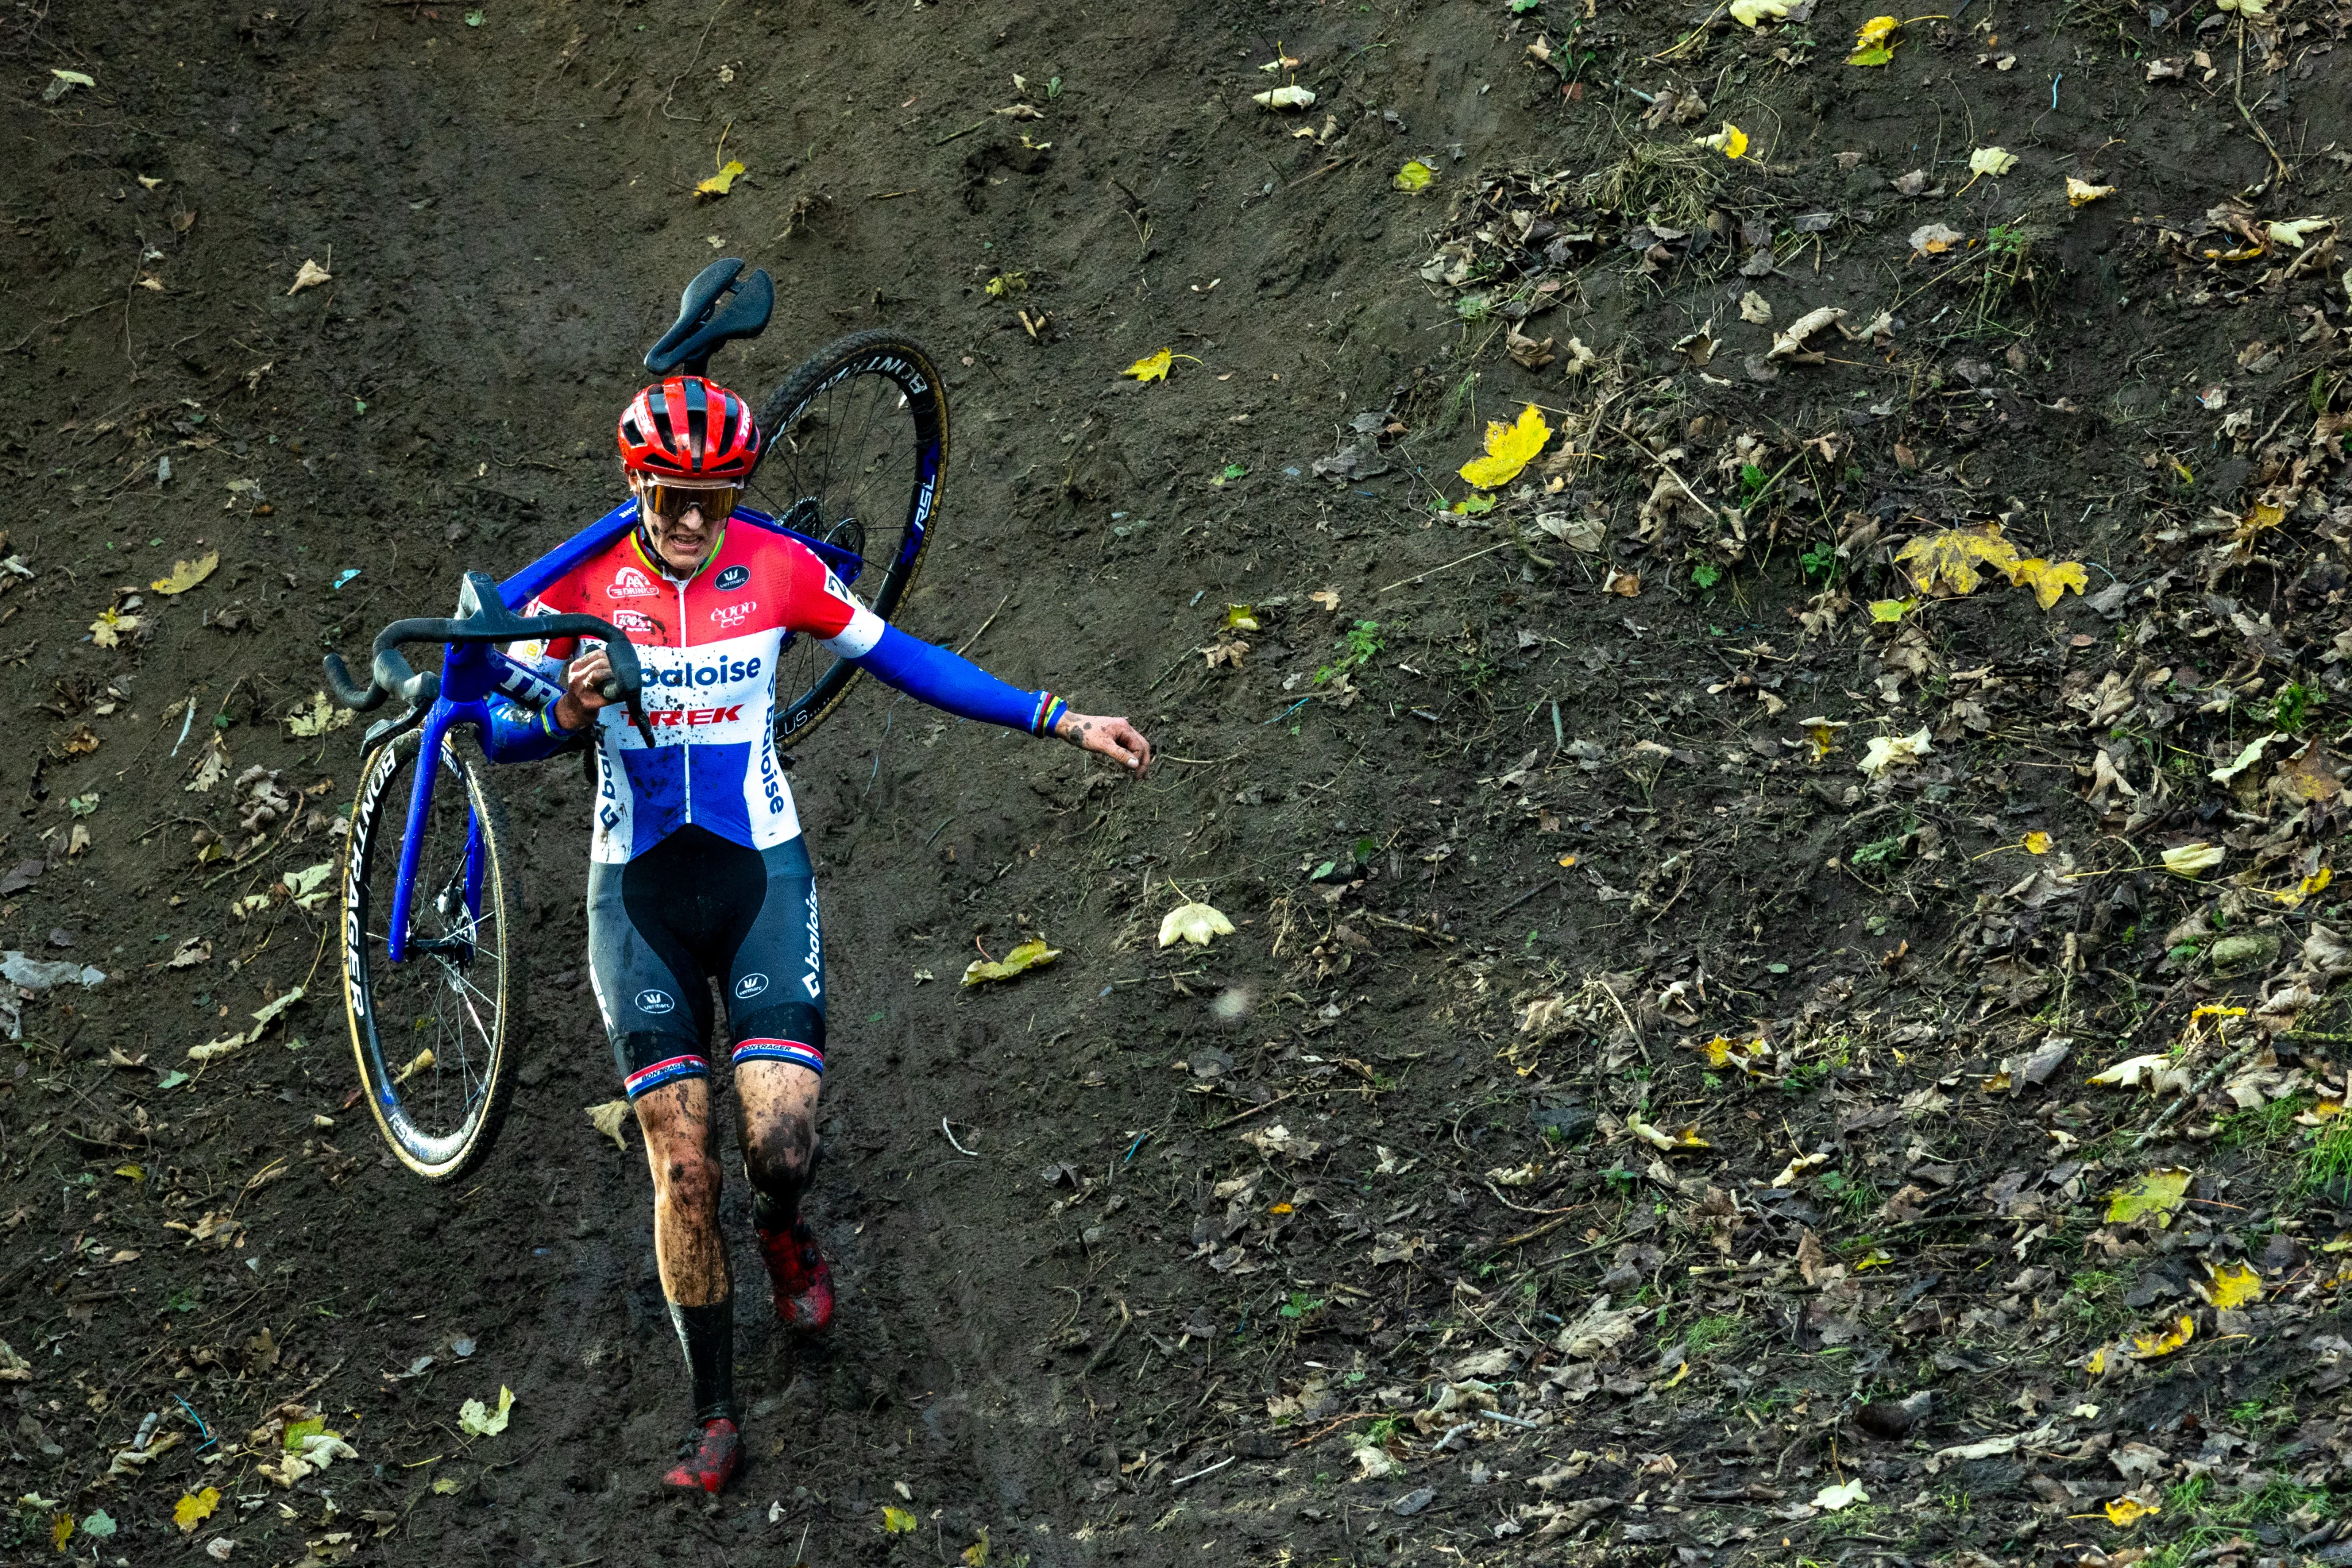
(721,182)
(1509,448)
(2096,1364)
(1874,1258)
(1949,558)
(1151,367)
(1878,54)
(1413,176)
(2148,1347)
(2080,191)
(194,1508)
(1005,284)
(1195,923)
(2317,882)
(2156,1195)
(112,626)
(1896,752)
(1241,618)
(2049,580)
(61,1531)
(186,575)
(976,1554)
(607,1118)
(478,1419)
(2190,859)
(1756,13)
(1873,42)
(1030,954)
(1731,140)
(897,1521)
(1798,1168)
(1889,611)
(2232,1285)
(131,1173)
(2128,1511)
(1993,160)
(317,717)
(1677,1142)
(2036,843)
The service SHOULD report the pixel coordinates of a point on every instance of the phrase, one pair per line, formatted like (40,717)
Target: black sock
(706,1334)
(770,1217)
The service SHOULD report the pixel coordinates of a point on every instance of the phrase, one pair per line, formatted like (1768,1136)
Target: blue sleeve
(953,684)
(522,717)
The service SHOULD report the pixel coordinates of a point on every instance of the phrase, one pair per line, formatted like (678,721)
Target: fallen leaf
(1413,176)
(1755,308)
(475,1418)
(2129,1510)
(1756,13)
(2148,1347)
(1799,1168)
(1151,367)
(2230,1285)
(310,276)
(2049,580)
(1291,96)
(1679,1141)
(1829,1499)
(1278,1140)
(112,626)
(897,1521)
(1935,238)
(2080,191)
(2190,859)
(1993,160)
(194,1508)
(719,184)
(1791,342)
(186,575)
(1896,752)
(1873,42)
(1030,954)
(1731,140)
(1889,611)
(2154,1071)
(1328,598)
(1949,558)
(99,1525)
(607,1118)
(447,1486)
(1509,448)
(2293,231)
(2156,1195)
(317,717)
(1195,923)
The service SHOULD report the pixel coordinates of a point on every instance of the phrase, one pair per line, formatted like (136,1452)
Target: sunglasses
(672,502)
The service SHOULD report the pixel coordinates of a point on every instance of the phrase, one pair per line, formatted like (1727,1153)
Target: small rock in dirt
(2245,952)
(1414,1501)
(1565,1123)
(60,937)
(1894,1419)
(21,877)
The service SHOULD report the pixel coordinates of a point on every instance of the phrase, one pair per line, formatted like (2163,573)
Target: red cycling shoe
(712,1464)
(802,1277)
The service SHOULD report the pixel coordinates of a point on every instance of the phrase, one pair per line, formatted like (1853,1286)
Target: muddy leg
(676,1119)
(777,1102)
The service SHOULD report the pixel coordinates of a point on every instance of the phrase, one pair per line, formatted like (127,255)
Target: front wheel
(431,1032)
(855,449)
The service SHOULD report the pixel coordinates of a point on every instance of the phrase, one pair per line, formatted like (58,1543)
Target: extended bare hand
(1114,737)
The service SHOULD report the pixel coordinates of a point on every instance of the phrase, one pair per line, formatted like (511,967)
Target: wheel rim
(432,1024)
(854,464)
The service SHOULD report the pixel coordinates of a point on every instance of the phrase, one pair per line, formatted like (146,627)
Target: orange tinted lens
(672,501)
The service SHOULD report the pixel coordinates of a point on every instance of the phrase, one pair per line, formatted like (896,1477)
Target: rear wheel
(431,1032)
(856,444)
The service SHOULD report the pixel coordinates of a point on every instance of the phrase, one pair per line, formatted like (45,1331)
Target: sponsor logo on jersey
(673,717)
(816,953)
(715,673)
(656,1002)
(630,583)
(732,578)
(750,985)
(729,616)
(637,623)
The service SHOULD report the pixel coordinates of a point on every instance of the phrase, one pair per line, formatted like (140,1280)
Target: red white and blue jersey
(709,644)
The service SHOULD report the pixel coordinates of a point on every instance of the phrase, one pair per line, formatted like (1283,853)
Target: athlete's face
(685,523)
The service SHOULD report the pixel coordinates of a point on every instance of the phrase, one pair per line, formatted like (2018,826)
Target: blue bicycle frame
(473,675)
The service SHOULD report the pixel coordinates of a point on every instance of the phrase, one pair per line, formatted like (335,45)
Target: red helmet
(689,428)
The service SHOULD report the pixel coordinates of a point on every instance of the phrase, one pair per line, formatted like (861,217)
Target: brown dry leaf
(310,276)
(607,1120)
(1328,598)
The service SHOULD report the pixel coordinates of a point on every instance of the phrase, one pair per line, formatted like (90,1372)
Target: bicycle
(431,978)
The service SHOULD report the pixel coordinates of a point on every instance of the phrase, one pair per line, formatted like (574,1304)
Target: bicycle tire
(376,991)
(896,360)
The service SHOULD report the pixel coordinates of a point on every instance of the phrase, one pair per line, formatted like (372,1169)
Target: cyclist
(698,871)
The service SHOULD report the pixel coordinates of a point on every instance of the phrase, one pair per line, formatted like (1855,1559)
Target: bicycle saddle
(704,323)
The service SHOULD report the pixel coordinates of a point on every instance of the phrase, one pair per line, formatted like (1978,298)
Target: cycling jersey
(708,644)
